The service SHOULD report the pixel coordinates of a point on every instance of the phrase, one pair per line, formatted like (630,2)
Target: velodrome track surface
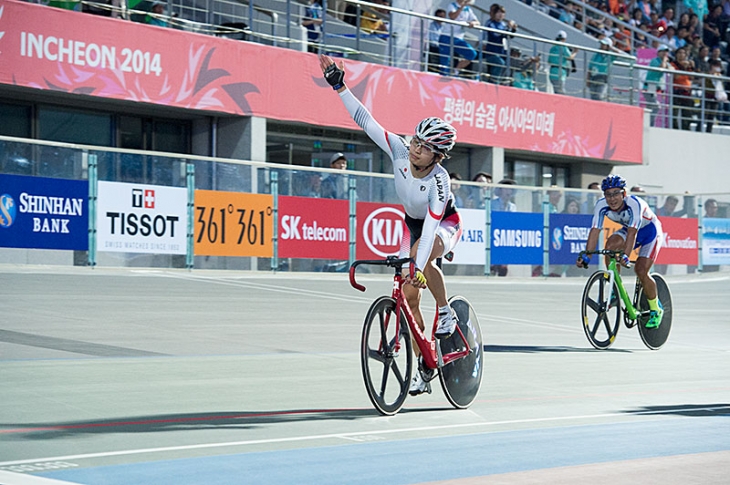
(170,377)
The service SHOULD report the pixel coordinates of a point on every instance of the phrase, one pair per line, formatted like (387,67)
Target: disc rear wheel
(654,338)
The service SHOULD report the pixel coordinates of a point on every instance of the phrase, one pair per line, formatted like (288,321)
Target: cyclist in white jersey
(641,229)
(422,185)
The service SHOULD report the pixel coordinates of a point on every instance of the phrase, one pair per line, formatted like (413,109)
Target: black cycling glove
(335,76)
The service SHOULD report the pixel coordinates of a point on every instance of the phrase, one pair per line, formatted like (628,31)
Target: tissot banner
(715,241)
(72,52)
(516,238)
(568,236)
(313,228)
(43,213)
(137,218)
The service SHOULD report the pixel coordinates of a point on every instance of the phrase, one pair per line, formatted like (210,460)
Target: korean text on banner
(380,229)
(313,228)
(137,218)
(43,213)
(233,224)
(516,238)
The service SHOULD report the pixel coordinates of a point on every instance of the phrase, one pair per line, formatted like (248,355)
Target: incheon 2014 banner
(70,52)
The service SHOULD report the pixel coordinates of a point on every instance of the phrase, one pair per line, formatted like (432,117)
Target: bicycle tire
(462,378)
(655,338)
(386,374)
(600,321)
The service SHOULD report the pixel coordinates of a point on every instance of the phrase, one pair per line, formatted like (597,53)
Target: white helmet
(436,133)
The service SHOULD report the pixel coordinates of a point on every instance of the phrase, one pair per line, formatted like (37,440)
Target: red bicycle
(386,350)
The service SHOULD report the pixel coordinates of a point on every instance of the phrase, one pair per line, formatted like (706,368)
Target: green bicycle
(601,306)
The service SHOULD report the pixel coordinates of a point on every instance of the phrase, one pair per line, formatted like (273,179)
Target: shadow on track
(530,349)
(696,410)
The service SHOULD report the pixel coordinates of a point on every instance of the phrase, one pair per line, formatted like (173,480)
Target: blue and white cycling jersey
(636,214)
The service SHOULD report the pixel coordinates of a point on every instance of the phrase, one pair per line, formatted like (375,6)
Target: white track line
(10,478)
(294,439)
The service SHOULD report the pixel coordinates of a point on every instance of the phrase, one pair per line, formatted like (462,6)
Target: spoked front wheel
(386,372)
(654,338)
(462,378)
(601,318)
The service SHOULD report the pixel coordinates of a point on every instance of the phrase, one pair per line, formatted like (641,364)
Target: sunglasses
(613,194)
(417,144)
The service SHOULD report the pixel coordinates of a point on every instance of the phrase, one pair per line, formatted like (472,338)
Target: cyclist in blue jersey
(422,185)
(641,229)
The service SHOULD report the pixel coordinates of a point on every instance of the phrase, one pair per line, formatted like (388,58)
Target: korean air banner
(715,241)
(471,247)
(43,213)
(516,238)
(568,237)
(70,52)
(314,228)
(380,230)
(137,218)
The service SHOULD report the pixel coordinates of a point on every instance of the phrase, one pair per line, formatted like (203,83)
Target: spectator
(523,69)
(456,189)
(668,17)
(682,37)
(646,8)
(566,14)
(434,33)
(554,197)
(669,38)
(695,47)
(372,22)
(312,20)
(477,199)
(694,25)
(654,79)
(702,61)
(669,209)
(335,185)
(598,70)
(682,90)
(715,94)
(157,15)
(711,34)
(684,22)
(590,202)
(502,200)
(310,184)
(637,18)
(459,11)
(560,62)
(495,53)
(638,189)
(571,206)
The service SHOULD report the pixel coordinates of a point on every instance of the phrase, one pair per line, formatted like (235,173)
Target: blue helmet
(613,182)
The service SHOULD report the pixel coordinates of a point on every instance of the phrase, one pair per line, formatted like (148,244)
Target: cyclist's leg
(616,242)
(641,268)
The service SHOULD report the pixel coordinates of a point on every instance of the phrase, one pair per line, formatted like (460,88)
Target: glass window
(171,137)
(71,126)
(15,120)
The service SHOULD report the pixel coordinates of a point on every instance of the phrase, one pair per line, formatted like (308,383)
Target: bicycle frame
(615,276)
(429,350)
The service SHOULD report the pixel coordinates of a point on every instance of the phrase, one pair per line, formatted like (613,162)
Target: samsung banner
(568,236)
(516,238)
(716,241)
(136,218)
(43,213)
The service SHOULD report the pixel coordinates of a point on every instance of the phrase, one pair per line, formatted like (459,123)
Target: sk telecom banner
(314,228)
(43,213)
(233,224)
(715,241)
(516,238)
(380,228)
(568,236)
(680,241)
(471,247)
(70,52)
(136,218)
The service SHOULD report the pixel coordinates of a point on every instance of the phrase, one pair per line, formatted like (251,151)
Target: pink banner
(48,48)
(680,241)
(313,228)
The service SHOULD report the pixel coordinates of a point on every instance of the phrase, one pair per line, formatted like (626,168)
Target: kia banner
(568,236)
(137,218)
(715,241)
(53,49)
(380,230)
(516,238)
(680,241)
(43,213)
(472,245)
(313,228)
